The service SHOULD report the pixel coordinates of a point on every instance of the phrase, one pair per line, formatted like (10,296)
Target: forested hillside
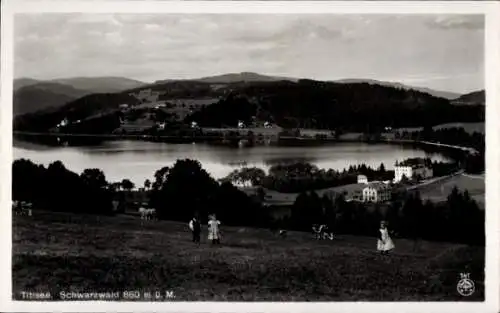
(314,104)
(306,104)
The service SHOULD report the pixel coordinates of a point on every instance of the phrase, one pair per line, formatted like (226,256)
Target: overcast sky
(440,52)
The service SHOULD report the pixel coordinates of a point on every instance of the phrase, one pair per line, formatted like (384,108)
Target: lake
(138,160)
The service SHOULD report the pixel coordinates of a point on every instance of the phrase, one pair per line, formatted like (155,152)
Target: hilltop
(22,82)
(473,98)
(98,84)
(243,77)
(256,77)
(232,78)
(436,93)
(109,84)
(31,95)
(43,95)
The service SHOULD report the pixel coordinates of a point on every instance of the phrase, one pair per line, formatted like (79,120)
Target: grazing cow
(322,232)
(282,233)
(279,232)
(23,211)
(147,214)
(316,229)
(326,233)
(20,208)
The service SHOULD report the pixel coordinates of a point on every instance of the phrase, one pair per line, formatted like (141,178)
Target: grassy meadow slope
(88,253)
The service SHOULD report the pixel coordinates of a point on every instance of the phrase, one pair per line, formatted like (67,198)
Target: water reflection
(138,160)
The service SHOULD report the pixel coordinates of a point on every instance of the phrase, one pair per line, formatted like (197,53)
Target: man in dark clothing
(195,227)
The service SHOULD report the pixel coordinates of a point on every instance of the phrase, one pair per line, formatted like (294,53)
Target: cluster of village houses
(363,191)
(381,191)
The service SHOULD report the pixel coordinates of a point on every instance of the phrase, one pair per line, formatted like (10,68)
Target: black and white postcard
(243,156)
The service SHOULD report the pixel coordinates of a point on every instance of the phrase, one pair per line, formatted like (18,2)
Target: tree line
(177,192)
(56,188)
(297,177)
(458,219)
(358,107)
(472,163)
(453,136)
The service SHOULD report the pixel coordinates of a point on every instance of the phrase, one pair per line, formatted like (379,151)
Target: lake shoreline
(82,139)
(139,160)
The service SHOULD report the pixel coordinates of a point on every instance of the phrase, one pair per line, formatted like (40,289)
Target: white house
(362,179)
(376,192)
(412,168)
(63,123)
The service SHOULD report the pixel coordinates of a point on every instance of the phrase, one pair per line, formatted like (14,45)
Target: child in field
(195,227)
(213,229)
(384,242)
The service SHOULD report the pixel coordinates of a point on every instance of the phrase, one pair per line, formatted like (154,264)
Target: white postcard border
(491,10)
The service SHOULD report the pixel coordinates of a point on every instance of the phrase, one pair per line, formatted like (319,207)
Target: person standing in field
(213,229)
(384,242)
(195,227)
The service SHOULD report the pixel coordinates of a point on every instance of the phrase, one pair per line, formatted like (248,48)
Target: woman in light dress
(213,229)
(384,242)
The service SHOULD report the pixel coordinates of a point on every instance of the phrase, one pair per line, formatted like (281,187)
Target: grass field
(281,198)
(439,192)
(56,251)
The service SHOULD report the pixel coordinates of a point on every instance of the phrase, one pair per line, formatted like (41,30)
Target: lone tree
(306,210)
(381,168)
(127,184)
(187,188)
(147,184)
(94,177)
(245,175)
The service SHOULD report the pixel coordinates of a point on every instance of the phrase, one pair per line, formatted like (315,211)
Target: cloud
(322,46)
(471,22)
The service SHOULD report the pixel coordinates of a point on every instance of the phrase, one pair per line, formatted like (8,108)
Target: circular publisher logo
(466,287)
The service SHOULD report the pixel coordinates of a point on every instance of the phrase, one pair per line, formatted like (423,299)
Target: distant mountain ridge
(98,84)
(472,98)
(22,82)
(232,78)
(256,77)
(101,84)
(243,77)
(31,95)
(436,93)
(43,95)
